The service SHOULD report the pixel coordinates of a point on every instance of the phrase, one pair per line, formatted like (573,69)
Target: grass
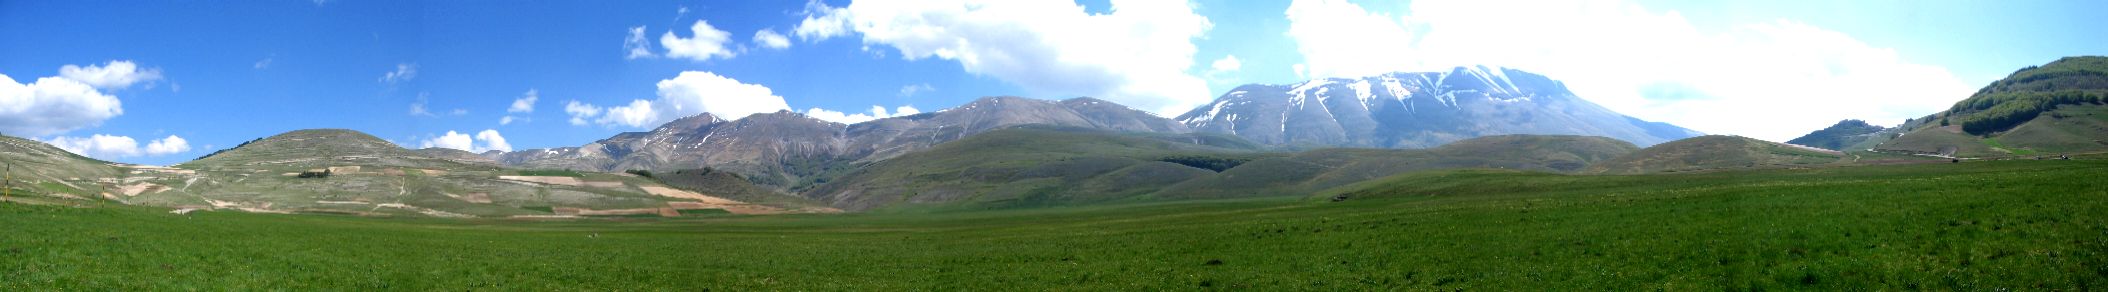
(2025,225)
(1993,142)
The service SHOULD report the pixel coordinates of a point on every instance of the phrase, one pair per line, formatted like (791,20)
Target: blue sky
(214,74)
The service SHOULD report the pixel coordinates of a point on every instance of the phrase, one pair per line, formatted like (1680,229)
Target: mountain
(1030,166)
(1714,152)
(790,151)
(2060,107)
(1837,137)
(1416,110)
(39,168)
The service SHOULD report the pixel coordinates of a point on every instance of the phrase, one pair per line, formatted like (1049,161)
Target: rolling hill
(1713,153)
(1044,166)
(2055,108)
(36,167)
(334,171)
(1841,136)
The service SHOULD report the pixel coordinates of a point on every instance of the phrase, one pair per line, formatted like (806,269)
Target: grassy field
(2026,225)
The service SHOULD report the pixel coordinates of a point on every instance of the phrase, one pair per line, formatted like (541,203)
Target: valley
(2019,224)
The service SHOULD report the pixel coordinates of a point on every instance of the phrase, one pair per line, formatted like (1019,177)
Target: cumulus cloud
(771,39)
(1771,80)
(638,113)
(484,141)
(581,113)
(403,72)
(508,120)
(636,45)
(687,94)
(117,74)
(1139,54)
(110,147)
(704,43)
(525,104)
(52,105)
(877,112)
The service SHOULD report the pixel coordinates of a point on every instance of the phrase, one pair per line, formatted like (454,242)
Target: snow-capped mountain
(1417,110)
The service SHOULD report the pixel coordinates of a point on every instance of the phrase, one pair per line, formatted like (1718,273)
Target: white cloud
(170,145)
(581,113)
(1219,72)
(1771,80)
(403,72)
(688,94)
(877,112)
(114,147)
(484,141)
(912,90)
(1139,54)
(263,64)
(116,74)
(507,120)
(636,45)
(493,141)
(52,105)
(1228,63)
(1340,39)
(452,140)
(707,42)
(525,104)
(638,113)
(771,39)
(695,92)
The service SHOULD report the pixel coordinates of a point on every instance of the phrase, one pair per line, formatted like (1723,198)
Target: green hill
(1038,166)
(1840,136)
(1027,166)
(39,169)
(1714,152)
(1315,170)
(2060,107)
(729,185)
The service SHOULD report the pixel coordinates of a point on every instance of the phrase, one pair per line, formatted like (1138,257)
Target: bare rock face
(1417,110)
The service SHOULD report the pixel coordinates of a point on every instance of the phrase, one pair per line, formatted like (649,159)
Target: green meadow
(2020,225)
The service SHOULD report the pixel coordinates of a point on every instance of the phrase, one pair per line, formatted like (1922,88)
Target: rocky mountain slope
(1417,110)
